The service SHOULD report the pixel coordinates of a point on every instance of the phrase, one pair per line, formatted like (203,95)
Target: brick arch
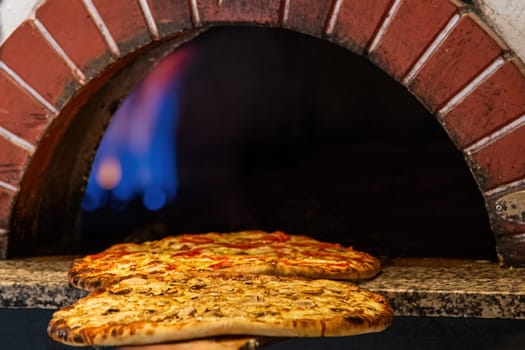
(461,71)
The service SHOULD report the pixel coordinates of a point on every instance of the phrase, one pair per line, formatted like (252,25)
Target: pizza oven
(346,123)
(277,145)
(393,126)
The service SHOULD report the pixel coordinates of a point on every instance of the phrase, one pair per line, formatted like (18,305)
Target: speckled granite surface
(432,287)
(415,287)
(39,283)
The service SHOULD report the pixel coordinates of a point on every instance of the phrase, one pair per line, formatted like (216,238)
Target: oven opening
(252,128)
(247,128)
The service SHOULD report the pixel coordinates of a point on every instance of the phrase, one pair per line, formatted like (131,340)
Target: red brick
(29,55)
(125,22)
(462,56)
(496,102)
(504,227)
(245,11)
(502,161)
(412,29)
(6,199)
(171,16)
(20,113)
(308,16)
(357,21)
(512,249)
(76,33)
(4,239)
(12,161)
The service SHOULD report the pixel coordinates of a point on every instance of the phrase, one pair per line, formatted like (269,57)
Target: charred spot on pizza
(121,291)
(110,311)
(95,283)
(58,323)
(58,329)
(114,332)
(258,314)
(215,312)
(198,286)
(77,338)
(354,320)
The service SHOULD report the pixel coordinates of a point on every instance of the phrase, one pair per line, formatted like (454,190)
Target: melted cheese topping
(247,251)
(276,302)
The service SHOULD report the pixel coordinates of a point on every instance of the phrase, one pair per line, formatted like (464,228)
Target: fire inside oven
(246,128)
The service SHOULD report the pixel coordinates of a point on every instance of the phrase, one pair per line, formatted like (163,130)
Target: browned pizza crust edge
(81,274)
(148,333)
(80,278)
(373,315)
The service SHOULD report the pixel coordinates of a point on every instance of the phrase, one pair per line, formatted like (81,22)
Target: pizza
(138,310)
(247,252)
(203,285)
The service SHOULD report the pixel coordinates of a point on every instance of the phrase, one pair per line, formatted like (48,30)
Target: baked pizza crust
(255,252)
(150,311)
(228,342)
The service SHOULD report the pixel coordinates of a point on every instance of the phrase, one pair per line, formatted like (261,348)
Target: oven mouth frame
(73,156)
(329,21)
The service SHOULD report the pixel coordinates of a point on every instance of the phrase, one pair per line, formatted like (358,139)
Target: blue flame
(137,158)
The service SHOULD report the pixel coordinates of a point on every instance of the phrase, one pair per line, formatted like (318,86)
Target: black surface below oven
(26,329)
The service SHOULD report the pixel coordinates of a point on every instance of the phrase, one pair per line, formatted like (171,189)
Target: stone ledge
(452,288)
(415,287)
